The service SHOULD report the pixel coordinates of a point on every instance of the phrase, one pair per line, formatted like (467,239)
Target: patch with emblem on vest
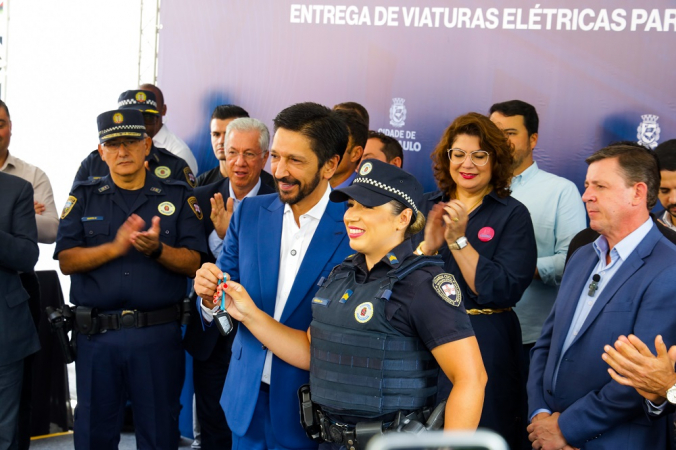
(364,312)
(68,206)
(192,201)
(162,172)
(190,178)
(447,288)
(166,208)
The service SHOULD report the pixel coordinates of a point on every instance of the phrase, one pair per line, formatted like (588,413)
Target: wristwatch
(671,395)
(459,244)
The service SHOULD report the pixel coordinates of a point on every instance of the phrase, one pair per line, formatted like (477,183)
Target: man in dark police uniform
(128,239)
(161,162)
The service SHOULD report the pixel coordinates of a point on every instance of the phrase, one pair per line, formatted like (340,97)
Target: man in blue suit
(279,247)
(621,283)
(18,253)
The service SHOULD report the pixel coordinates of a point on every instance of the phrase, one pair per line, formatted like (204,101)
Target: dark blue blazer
(18,253)
(200,341)
(251,256)
(597,412)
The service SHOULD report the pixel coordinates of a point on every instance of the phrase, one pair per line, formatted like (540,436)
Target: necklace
(485,192)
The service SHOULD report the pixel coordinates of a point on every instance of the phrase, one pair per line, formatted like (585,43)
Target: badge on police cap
(192,201)
(366,169)
(141,97)
(162,172)
(118,118)
(190,178)
(68,206)
(447,288)
(166,208)
(364,312)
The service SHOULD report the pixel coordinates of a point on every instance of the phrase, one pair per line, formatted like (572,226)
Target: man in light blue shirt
(555,207)
(620,284)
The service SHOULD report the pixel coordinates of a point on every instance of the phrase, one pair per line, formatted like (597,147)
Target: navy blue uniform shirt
(95,211)
(414,308)
(161,163)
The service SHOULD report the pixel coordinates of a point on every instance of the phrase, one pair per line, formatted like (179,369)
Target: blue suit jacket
(251,256)
(18,253)
(597,412)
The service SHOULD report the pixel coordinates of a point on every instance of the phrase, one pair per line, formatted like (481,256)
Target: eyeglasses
(113,147)
(478,157)
(248,156)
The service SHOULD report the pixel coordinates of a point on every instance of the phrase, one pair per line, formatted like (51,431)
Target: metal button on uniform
(293,252)
(126,274)
(166,232)
(91,231)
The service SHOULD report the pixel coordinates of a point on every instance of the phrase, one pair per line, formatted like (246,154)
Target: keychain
(222,318)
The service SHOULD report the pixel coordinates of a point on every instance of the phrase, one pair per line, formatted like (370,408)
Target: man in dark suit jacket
(18,338)
(619,285)
(278,247)
(246,149)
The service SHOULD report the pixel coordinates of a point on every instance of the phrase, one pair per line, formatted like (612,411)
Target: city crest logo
(648,132)
(397,112)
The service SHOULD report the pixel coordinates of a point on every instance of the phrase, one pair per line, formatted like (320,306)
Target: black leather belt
(102,322)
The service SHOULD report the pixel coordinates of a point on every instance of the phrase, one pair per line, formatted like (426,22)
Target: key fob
(223,322)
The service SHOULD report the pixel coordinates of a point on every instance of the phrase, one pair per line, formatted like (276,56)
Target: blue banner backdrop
(592,69)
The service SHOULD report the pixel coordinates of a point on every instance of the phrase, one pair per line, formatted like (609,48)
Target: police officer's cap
(120,123)
(378,183)
(144,101)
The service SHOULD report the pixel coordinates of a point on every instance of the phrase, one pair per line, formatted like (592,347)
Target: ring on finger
(455,219)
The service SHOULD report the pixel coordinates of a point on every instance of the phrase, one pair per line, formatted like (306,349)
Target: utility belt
(321,427)
(487,311)
(89,321)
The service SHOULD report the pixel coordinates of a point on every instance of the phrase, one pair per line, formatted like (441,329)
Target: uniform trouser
(10,392)
(143,364)
(209,379)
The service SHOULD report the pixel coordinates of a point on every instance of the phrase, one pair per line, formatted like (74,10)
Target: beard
(303,191)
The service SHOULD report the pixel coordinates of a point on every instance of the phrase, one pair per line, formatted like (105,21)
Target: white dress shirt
(169,141)
(293,246)
(48,221)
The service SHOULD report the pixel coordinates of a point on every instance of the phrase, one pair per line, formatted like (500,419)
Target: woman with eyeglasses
(486,239)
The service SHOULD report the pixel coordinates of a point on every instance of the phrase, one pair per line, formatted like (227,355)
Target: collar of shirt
(623,248)
(392,260)
(10,161)
(316,212)
(347,182)
(525,176)
(252,193)
(666,219)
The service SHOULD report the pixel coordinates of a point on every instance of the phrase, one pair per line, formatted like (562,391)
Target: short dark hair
(638,165)
(354,106)
(491,139)
(391,146)
(4,105)
(225,112)
(358,129)
(666,154)
(519,108)
(327,133)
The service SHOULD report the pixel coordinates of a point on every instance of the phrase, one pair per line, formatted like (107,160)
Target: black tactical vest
(360,364)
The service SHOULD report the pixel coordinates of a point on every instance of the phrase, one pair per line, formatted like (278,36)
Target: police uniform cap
(144,101)
(120,123)
(378,183)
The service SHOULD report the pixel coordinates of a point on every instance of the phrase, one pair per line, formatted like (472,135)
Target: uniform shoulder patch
(192,201)
(189,176)
(88,182)
(447,288)
(68,206)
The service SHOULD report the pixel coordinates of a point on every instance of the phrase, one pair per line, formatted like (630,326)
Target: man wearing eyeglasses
(128,240)
(245,150)
(161,162)
(555,207)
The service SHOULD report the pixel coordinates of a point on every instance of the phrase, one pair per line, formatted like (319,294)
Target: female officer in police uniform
(383,322)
